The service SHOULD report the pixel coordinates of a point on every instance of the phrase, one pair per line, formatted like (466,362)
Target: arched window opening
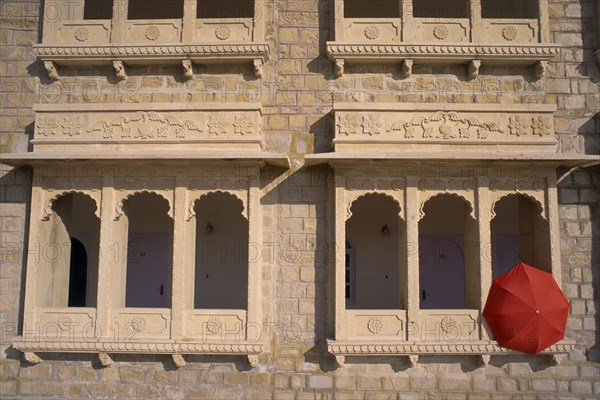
(221,273)
(149,252)
(519,233)
(68,270)
(448,255)
(375,231)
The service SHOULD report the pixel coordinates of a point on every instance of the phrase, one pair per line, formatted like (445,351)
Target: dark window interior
(372,9)
(442,9)
(98,9)
(517,9)
(78,274)
(155,9)
(215,9)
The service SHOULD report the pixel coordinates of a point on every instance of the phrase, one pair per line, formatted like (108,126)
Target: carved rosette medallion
(243,125)
(138,323)
(441,32)
(213,325)
(47,126)
(222,33)
(509,33)
(152,33)
(372,32)
(64,323)
(82,34)
(348,124)
(375,326)
(372,125)
(448,324)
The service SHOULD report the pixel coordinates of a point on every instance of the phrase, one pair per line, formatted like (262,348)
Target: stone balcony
(471,34)
(72,38)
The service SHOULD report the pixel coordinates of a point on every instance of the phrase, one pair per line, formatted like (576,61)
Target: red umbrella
(526,310)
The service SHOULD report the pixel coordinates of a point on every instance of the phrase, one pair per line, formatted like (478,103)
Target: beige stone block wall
(297,91)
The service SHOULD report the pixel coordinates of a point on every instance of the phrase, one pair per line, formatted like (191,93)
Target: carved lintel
(31,357)
(253,360)
(540,69)
(558,358)
(52,70)
(474,66)
(407,66)
(414,358)
(120,70)
(188,69)
(341,360)
(485,359)
(105,359)
(339,67)
(178,360)
(258,67)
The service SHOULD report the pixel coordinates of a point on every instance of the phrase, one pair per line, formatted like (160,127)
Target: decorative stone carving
(120,70)
(372,125)
(474,66)
(31,357)
(407,66)
(375,326)
(509,33)
(138,323)
(105,359)
(517,127)
(339,68)
(214,325)
(253,360)
(542,126)
(348,124)
(449,126)
(72,125)
(540,69)
(82,34)
(372,32)
(152,33)
(46,126)
(216,126)
(178,360)
(441,32)
(222,32)
(146,125)
(258,67)
(188,69)
(243,125)
(52,70)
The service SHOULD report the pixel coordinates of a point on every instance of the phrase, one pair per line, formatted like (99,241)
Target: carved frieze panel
(436,31)
(377,323)
(76,127)
(80,32)
(375,31)
(142,323)
(224,30)
(511,31)
(163,31)
(216,325)
(65,324)
(473,127)
(447,326)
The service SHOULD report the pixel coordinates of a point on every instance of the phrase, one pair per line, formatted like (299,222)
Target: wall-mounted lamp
(209,229)
(385,231)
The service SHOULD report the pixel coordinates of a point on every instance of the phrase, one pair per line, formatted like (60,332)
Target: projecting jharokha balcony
(98,32)
(434,31)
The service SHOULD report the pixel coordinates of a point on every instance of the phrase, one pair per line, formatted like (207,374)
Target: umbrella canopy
(526,310)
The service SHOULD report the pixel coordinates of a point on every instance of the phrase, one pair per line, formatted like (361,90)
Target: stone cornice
(524,53)
(373,348)
(79,54)
(139,347)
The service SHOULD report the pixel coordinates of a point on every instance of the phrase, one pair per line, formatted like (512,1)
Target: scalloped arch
(463,198)
(376,193)
(119,209)
(192,205)
(47,209)
(540,206)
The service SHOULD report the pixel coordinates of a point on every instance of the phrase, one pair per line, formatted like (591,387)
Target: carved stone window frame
(393,178)
(68,39)
(471,41)
(109,327)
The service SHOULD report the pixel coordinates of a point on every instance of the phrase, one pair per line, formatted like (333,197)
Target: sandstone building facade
(295,199)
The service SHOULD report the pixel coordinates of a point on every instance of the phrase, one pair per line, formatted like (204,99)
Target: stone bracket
(473,72)
(188,69)
(178,360)
(52,70)
(540,70)
(407,66)
(253,360)
(120,70)
(105,359)
(339,67)
(31,357)
(258,67)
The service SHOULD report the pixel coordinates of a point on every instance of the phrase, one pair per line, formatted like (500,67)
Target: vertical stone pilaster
(179,257)
(412,249)
(340,257)
(107,258)
(553,226)
(254,238)
(485,243)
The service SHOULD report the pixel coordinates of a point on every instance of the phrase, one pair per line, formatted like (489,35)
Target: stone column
(180,250)
(485,242)
(412,251)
